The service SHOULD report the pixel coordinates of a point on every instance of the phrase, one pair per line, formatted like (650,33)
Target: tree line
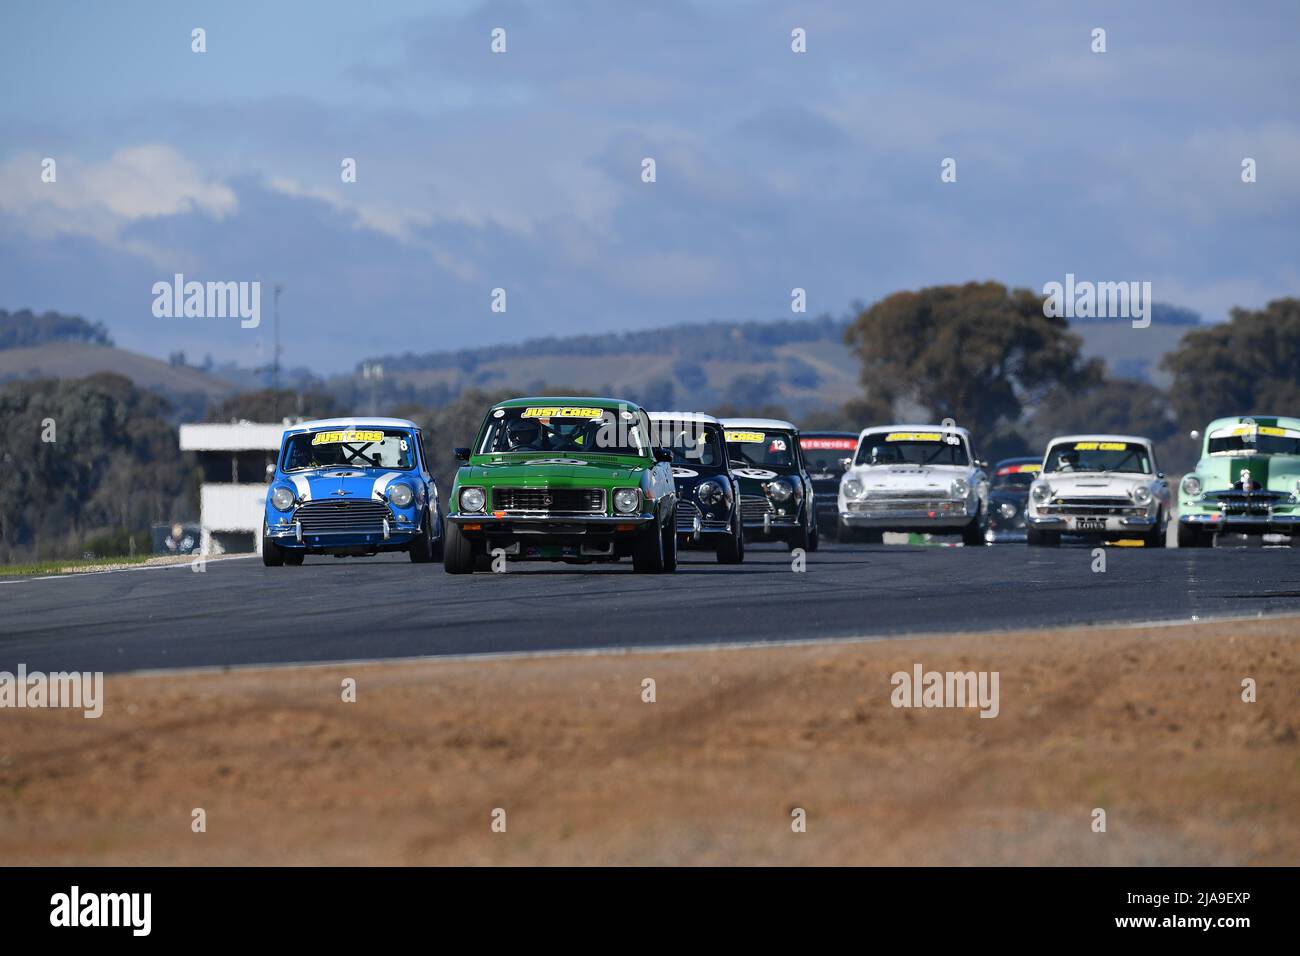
(98,458)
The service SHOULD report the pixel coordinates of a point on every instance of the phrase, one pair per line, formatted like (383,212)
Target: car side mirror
(1160,474)
(663,454)
(1194,435)
(270,470)
(846,463)
(462,454)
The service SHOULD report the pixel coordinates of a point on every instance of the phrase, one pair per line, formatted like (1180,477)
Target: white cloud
(100,200)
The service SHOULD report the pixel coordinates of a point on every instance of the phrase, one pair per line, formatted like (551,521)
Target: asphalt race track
(238,612)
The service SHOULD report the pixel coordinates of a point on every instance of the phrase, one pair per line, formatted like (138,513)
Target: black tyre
(421,550)
(731,549)
(670,543)
(1156,537)
(973,534)
(814,537)
(1043,539)
(294,558)
(272,556)
(648,549)
(1189,536)
(798,540)
(457,551)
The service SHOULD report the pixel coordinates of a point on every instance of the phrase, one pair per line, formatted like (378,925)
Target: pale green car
(1247,481)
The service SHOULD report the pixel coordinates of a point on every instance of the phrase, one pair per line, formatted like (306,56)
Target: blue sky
(523,170)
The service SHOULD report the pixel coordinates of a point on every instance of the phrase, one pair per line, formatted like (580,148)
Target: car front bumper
(293,538)
(577,524)
(906,515)
(1245,524)
(1090,524)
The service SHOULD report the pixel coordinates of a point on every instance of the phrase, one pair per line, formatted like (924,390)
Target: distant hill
(799,364)
(188,389)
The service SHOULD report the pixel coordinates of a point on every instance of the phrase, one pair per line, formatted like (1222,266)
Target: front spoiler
(1067,524)
(542,524)
(1247,524)
(904,520)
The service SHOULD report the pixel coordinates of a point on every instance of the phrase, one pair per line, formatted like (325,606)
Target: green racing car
(562,479)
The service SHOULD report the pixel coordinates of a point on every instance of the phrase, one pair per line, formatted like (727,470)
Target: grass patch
(70,564)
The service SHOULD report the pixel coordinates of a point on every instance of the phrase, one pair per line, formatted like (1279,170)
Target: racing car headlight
(1041,493)
(960,488)
(1191,486)
(852,488)
(1142,495)
(282,498)
(472,499)
(779,490)
(1007,510)
(709,492)
(400,494)
(626,500)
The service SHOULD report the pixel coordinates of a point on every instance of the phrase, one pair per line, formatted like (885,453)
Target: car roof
(1134,439)
(853,435)
(953,429)
(528,401)
(683,417)
(1283,421)
(771,424)
(320,423)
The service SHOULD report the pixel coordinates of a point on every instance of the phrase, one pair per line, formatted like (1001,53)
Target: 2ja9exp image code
(1183,899)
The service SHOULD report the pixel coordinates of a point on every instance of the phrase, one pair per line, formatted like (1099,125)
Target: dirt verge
(1147,724)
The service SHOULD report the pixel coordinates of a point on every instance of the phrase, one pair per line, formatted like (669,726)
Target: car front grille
(687,512)
(549,500)
(342,517)
(1099,506)
(909,503)
(1238,503)
(754,507)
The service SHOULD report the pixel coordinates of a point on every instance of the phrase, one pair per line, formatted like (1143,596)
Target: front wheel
(1190,536)
(670,543)
(1156,537)
(272,555)
(731,550)
(814,537)
(648,549)
(421,550)
(973,534)
(1043,539)
(457,551)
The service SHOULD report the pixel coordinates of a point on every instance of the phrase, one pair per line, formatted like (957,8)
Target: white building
(234,458)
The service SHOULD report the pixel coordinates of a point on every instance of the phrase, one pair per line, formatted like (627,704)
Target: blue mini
(351,486)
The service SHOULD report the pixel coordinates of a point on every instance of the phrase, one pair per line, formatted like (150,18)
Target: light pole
(373,372)
(275,355)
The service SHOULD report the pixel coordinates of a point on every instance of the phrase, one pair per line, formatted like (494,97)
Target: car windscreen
(1255,441)
(351,448)
(691,443)
(566,429)
(912,448)
(823,455)
(754,448)
(1096,455)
